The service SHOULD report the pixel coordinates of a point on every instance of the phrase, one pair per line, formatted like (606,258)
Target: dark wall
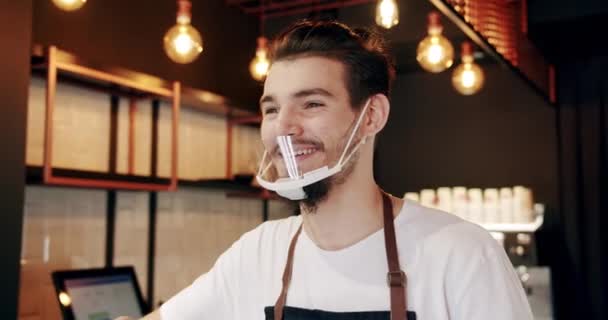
(15,32)
(503,136)
(508,135)
(129,34)
(559,10)
(583,153)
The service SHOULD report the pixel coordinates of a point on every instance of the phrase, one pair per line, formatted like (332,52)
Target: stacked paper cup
(427,198)
(476,213)
(492,205)
(412,196)
(506,205)
(460,203)
(444,199)
(523,206)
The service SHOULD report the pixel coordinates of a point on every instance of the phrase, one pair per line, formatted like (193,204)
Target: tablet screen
(104,296)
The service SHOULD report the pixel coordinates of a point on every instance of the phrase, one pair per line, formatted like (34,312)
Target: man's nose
(289,123)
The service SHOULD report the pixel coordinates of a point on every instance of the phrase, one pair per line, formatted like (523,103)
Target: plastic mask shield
(292,165)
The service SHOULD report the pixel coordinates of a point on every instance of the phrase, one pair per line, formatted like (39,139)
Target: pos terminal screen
(99,294)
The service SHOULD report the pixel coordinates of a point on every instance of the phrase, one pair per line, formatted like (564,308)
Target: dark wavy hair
(369,66)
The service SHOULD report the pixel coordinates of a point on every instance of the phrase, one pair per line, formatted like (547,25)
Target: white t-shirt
(455,270)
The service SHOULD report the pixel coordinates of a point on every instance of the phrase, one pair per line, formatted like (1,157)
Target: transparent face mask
(293,164)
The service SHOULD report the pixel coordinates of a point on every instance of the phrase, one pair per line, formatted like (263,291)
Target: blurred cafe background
(130,135)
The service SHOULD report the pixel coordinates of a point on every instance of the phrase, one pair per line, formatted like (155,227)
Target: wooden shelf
(61,66)
(240,186)
(233,185)
(136,84)
(34,176)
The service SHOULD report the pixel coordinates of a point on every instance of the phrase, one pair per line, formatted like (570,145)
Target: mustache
(295,142)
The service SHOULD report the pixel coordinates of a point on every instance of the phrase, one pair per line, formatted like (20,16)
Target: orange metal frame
(55,65)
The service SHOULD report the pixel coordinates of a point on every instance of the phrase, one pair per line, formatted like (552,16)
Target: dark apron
(396,280)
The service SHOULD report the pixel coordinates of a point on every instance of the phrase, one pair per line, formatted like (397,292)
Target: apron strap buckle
(396,278)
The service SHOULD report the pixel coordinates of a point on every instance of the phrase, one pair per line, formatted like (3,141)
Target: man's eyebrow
(299,94)
(268,98)
(313,91)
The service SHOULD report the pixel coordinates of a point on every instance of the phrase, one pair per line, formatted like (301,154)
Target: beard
(318,192)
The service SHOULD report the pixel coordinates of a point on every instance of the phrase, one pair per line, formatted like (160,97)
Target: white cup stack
(460,202)
(490,206)
(427,198)
(412,196)
(523,205)
(476,205)
(506,205)
(444,199)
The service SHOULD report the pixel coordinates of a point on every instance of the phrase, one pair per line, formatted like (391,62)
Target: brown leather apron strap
(280,304)
(396,278)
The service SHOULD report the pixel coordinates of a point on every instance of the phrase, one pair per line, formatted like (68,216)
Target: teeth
(304,152)
(301,152)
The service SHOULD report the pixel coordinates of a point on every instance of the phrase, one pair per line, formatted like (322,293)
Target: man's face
(306,98)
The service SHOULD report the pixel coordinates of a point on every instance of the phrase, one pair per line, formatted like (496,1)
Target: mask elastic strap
(261,171)
(352,135)
(355,149)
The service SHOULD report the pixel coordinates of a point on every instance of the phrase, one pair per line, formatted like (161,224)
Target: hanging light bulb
(69,5)
(259,65)
(182,42)
(468,77)
(387,13)
(435,53)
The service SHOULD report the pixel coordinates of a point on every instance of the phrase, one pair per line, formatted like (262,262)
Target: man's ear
(376,115)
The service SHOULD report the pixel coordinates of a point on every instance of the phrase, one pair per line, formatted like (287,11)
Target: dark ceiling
(403,38)
(129,33)
(569,29)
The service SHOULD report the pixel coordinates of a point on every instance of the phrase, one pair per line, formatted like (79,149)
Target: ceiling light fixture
(435,53)
(468,77)
(260,63)
(69,5)
(387,13)
(183,42)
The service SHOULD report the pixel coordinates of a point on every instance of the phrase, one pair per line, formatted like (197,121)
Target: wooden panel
(37,298)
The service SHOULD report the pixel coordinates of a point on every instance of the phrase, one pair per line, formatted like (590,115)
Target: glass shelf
(515,227)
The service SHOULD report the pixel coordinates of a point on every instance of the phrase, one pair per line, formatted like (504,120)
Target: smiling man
(354,252)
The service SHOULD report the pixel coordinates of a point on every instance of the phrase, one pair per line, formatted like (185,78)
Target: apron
(396,280)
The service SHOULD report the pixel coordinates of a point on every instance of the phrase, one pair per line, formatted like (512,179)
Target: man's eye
(313,105)
(270,110)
